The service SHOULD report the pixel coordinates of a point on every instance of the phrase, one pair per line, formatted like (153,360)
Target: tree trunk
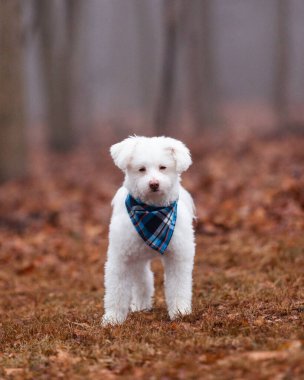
(281,64)
(57,52)
(209,78)
(200,57)
(146,52)
(168,69)
(12,124)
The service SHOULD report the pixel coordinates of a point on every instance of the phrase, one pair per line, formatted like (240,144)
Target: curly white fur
(128,277)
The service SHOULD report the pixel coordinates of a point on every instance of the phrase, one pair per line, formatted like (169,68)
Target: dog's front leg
(143,287)
(118,288)
(178,285)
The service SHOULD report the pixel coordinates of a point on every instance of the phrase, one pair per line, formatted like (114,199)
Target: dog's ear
(122,152)
(180,152)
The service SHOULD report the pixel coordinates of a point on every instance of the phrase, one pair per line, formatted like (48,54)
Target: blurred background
(226,77)
(75,71)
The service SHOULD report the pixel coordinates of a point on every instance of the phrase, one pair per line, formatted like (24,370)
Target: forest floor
(248,318)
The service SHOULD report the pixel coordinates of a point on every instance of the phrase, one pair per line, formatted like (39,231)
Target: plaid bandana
(154,224)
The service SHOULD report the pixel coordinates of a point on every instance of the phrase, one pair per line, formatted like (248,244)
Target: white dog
(152,214)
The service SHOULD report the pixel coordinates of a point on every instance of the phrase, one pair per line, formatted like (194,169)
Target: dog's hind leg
(143,287)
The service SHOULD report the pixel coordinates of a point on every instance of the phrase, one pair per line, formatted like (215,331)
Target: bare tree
(188,23)
(12,125)
(57,53)
(146,47)
(281,63)
(201,66)
(171,14)
(209,100)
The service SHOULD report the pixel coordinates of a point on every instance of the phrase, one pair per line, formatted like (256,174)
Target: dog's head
(152,166)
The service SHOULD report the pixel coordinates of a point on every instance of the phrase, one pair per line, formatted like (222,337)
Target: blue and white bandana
(154,224)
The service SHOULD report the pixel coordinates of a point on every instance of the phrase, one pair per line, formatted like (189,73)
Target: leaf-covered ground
(248,279)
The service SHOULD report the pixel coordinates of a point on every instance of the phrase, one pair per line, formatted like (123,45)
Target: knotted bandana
(154,224)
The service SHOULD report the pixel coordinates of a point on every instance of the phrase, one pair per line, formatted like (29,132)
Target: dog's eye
(162,167)
(143,169)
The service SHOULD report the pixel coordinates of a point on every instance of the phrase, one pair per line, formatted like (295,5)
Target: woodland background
(227,77)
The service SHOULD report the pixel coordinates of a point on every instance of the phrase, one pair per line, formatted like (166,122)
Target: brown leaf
(266,355)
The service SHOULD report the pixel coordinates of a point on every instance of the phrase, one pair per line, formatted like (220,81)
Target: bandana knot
(155,225)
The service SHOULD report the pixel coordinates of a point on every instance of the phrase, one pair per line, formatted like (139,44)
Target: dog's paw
(135,308)
(179,312)
(112,320)
(141,306)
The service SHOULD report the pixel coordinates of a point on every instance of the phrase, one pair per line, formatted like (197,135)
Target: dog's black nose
(154,185)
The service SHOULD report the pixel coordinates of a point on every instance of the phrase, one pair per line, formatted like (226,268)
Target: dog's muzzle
(154,185)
